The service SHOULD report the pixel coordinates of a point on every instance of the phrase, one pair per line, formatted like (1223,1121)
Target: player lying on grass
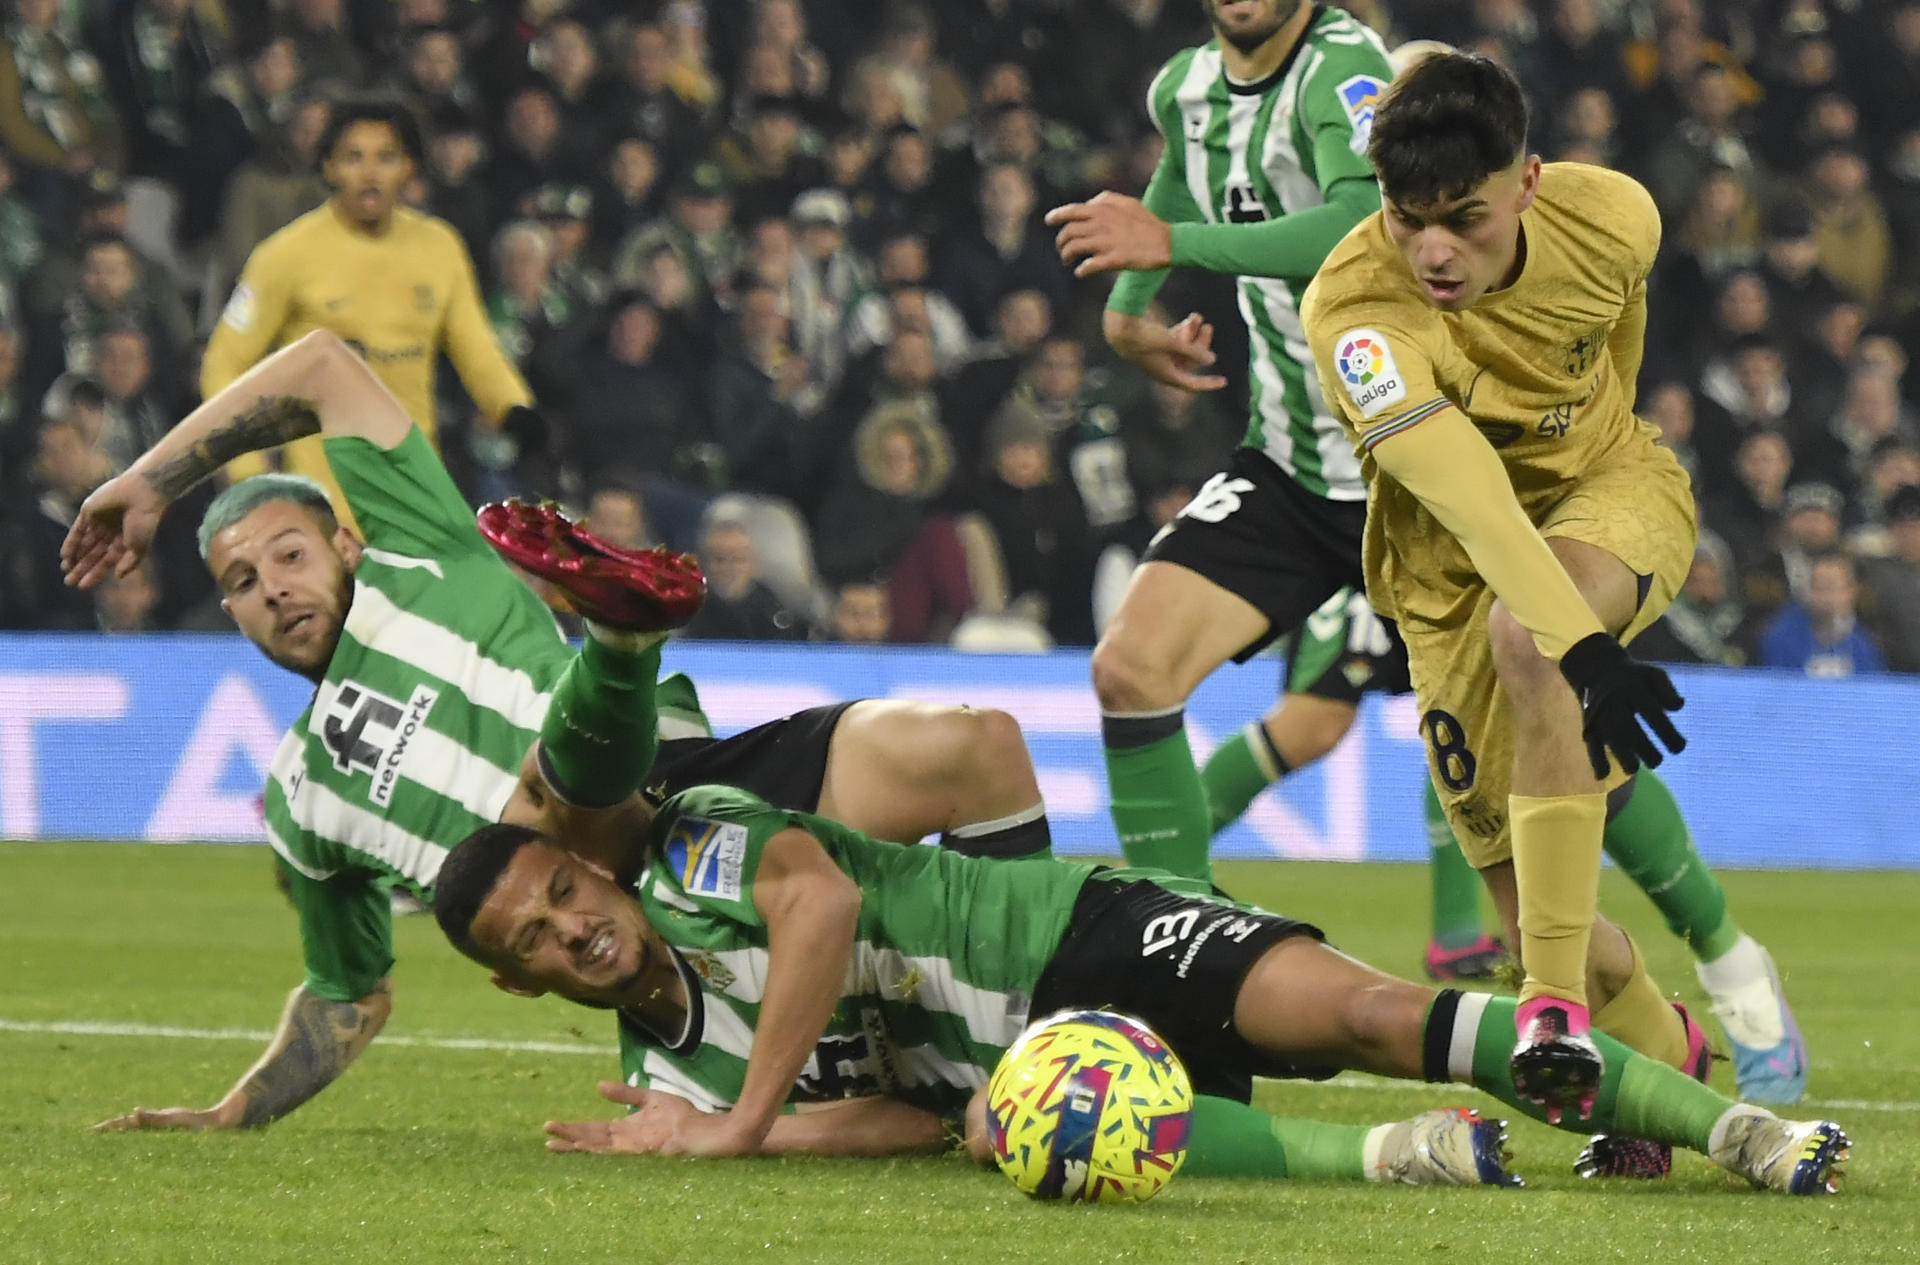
(435,667)
(765,958)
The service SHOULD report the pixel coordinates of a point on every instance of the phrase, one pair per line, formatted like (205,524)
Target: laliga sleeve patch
(707,856)
(240,308)
(1359,96)
(1367,371)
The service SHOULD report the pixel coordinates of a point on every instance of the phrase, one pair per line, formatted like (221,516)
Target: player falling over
(436,669)
(763,959)
(1264,170)
(1480,338)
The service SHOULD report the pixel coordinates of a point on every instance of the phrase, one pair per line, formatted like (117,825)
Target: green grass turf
(431,1154)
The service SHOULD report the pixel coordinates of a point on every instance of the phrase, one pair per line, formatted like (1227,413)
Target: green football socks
(1159,805)
(601,731)
(1469,1039)
(1648,839)
(1238,770)
(1456,884)
(1232,1139)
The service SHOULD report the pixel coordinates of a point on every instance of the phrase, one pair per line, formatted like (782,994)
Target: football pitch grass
(148,976)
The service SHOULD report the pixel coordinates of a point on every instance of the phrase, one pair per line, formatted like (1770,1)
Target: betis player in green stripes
(785,983)
(436,669)
(1264,171)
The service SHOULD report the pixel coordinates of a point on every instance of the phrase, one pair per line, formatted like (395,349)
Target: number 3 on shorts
(1448,738)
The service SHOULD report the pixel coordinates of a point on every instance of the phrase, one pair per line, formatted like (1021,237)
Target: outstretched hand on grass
(663,1125)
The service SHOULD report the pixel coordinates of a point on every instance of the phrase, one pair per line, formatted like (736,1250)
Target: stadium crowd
(776,276)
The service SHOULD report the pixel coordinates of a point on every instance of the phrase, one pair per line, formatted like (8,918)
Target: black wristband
(1591,658)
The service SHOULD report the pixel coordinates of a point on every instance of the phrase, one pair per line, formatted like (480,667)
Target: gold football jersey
(1544,370)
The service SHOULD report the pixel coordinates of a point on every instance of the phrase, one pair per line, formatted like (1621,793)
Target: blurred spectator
(569,61)
(1021,322)
(861,613)
(764,159)
(54,118)
(128,603)
(1749,386)
(1895,464)
(632,190)
(698,227)
(1902,194)
(109,295)
(318,29)
(1575,55)
(1708,137)
(1010,249)
(1790,265)
(1041,528)
(1087,445)
(1856,247)
(101,205)
(22,241)
(68,466)
(1895,582)
(271,190)
(1706,622)
(154,56)
(433,76)
(565,210)
(1819,634)
(1588,127)
(761,400)
(879,523)
(527,307)
(1746,512)
(1669,406)
(17,437)
(650,105)
(239,105)
(1175,438)
(932,94)
(739,605)
(780,32)
(1871,414)
(628,406)
(901,196)
(827,275)
(138,414)
(457,189)
(617,514)
(1891,83)
(1822,364)
(533,151)
(1722,229)
(900,266)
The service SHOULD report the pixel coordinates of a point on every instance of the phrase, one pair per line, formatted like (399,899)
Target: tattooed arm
(314,386)
(316,1041)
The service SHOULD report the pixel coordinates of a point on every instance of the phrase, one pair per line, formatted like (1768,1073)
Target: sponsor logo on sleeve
(240,309)
(1367,370)
(708,856)
(1359,97)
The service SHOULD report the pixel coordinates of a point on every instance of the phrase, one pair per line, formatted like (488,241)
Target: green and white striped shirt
(947,954)
(1245,153)
(414,737)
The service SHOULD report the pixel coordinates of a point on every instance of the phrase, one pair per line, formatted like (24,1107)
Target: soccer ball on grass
(1089,1106)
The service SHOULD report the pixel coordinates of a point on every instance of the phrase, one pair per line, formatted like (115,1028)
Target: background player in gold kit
(1480,339)
(397,285)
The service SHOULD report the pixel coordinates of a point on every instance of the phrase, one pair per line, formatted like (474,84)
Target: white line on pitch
(81,1028)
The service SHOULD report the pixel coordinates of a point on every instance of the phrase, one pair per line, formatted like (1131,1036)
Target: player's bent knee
(1516,657)
(1127,678)
(1383,1019)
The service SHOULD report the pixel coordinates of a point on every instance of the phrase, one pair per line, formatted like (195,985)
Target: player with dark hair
(764,959)
(1280,533)
(1522,523)
(446,699)
(395,284)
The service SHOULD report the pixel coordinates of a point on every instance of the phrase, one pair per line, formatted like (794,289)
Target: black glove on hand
(527,429)
(1616,693)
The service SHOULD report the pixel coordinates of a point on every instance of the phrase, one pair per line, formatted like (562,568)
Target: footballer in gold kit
(1480,338)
